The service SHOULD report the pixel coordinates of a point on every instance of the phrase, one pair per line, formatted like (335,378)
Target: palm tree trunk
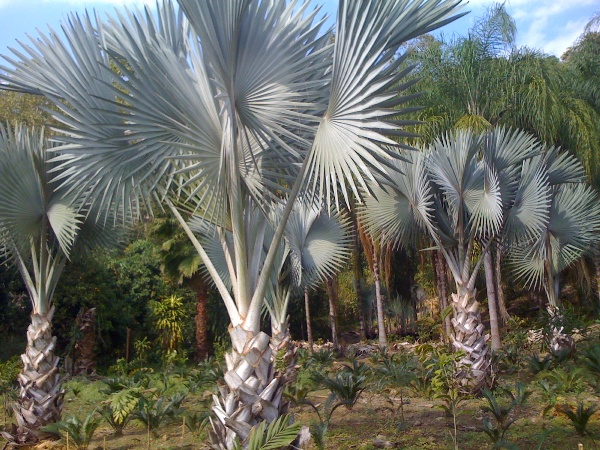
(380,322)
(356,263)
(488,266)
(469,337)
(309,334)
(442,285)
(85,356)
(332,313)
(250,391)
(41,397)
(500,294)
(201,319)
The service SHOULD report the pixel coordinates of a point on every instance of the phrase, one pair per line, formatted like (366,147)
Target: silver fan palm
(241,98)
(39,227)
(463,191)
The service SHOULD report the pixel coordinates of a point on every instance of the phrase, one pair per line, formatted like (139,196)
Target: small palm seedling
(537,364)
(591,360)
(566,381)
(79,432)
(579,417)
(502,413)
(323,358)
(395,374)
(154,412)
(278,434)
(344,390)
(196,421)
(118,409)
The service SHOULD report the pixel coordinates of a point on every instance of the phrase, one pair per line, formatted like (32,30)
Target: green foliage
(118,408)
(579,417)
(168,315)
(591,360)
(80,432)
(537,364)
(344,387)
(501,412)
(277,435)
(153,412)
(445,380)
(565,381)
(395,374)
(514,346)
(9,370)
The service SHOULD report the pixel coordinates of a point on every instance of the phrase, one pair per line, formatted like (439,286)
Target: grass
(425,426)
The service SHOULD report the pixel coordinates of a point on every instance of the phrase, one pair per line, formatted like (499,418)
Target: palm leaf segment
(316,247)
(569,224)
(460,190)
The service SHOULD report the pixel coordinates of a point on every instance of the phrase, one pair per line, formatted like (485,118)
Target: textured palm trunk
(380,318)
(85,354)
(309,334)
(442,285)
(284,352)
(468,336)
(250,392)
(488,266)
(201,319)
(41,397)
(560,342)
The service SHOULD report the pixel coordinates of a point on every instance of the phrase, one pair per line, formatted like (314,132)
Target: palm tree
(463,192)
(180,261)
(570,230)
(40,224)
(245,99)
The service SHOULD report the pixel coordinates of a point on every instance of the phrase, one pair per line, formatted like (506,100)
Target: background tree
(463,192)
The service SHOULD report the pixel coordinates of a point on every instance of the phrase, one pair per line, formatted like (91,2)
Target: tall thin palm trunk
(379,299)
(201,319)
(442,285)
(500,293)
(488,266)
(332,296)
(357,267)
(309,334)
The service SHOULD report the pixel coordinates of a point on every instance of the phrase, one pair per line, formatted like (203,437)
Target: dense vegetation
(141,324)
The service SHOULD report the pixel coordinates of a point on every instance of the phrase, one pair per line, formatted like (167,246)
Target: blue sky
(547,25)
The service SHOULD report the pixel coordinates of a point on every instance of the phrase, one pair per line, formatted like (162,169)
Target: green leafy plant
(344,390)
(155,412)
(9,370)
(566,380)
(196,421)
(278,434)
(446,382)
(168,317)
(80,432)
(118,409)
(537,364)
(396,373)
(579,416)
(323,357)
(591,360)
(502,413)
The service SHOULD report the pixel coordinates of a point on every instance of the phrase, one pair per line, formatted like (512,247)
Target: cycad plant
(40,225)
(225,101)
(463,191)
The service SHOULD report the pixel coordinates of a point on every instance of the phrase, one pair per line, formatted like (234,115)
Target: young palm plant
(464,192)
(244,98)
(40,224)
